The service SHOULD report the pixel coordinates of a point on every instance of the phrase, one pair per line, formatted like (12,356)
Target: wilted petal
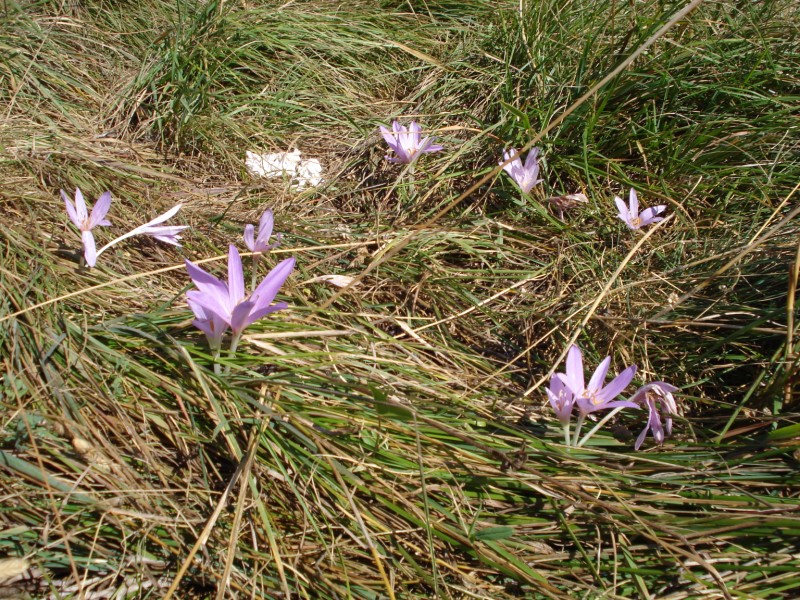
(167,215)
(169,234)
(337,280)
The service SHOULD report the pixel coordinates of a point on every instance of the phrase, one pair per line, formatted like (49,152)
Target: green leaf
(500,532)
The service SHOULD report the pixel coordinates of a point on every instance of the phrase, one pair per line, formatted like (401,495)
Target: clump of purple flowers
(568,390)
(218,305)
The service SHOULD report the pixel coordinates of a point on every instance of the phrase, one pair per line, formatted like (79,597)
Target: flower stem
(253,274)
(578,426)
(232,352)
(215,357)
(594,429)
(113,242)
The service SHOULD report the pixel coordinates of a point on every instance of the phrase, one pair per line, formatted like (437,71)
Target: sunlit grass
(392,440)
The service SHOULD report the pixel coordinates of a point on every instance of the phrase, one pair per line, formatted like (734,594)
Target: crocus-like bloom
(406,143)
(169,234)
(595,396)
(525,176)
(561,399)
(631,215)
(260,243)
(79,215)
(652,395)
(215,302)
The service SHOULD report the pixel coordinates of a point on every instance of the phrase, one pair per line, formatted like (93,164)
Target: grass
(392,440)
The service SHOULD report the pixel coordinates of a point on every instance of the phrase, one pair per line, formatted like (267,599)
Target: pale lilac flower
(561,399)
(525,176)
(631,215)
(80,217)
(220,302)
(259,243)
(406,143)
(169,234)
(652,395)
(595,396)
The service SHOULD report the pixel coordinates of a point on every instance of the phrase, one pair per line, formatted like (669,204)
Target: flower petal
(100,210)
(599,375)
(255,315)
(264,230)
(89,248)
(649,215)
(73,216)
(249,240)
(389,137)
(622,208)
(167,215)
(235,277)
(634,202)
(532,160)
(240,316)
(214,292)
(266,291)
(619,383)
(574,376)
(80,206)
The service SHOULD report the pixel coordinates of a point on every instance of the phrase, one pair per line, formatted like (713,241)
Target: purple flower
(259,243)
(631,215)
(80,217)
(406,143)
(169,234)
(215,303)
(524,176)
(561,399)
(595,396)
(654,394)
